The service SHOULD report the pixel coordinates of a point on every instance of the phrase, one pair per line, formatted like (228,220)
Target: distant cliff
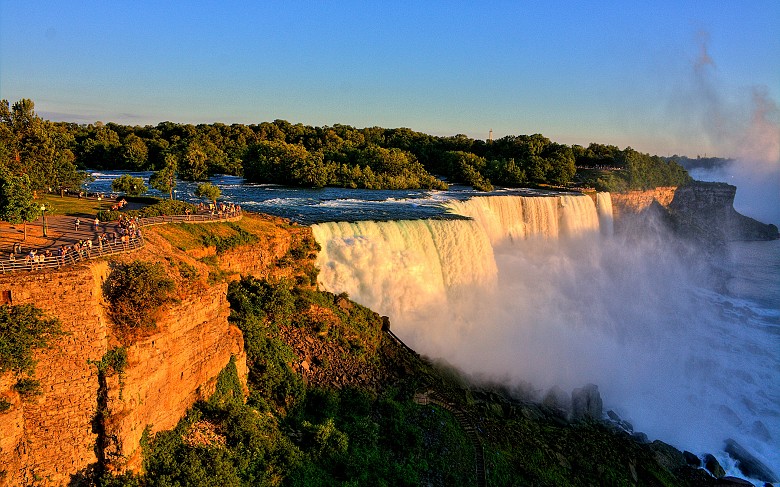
(700,210)
(710,206)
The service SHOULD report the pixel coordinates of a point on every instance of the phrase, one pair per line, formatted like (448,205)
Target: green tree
(274,162)
(467,167)
(23,329)
(561,164)
(36,148)
(135,292)
(16,199)
(134,152)
(164,180)
(129,185)
(208,191)
(194,161)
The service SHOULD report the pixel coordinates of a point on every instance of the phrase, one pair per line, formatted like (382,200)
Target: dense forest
(50,155)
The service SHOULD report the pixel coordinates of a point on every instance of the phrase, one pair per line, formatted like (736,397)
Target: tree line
(55,154)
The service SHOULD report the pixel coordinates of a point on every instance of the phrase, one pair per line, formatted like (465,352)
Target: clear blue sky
(616,72)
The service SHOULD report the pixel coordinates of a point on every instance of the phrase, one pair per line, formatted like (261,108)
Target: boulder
(692,459)
(667,455)
(558,401)
(586,403)
(749,465)
(713,466)
(732,482)
(760,431)
(617,420)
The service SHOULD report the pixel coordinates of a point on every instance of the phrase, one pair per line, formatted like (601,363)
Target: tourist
(77,223)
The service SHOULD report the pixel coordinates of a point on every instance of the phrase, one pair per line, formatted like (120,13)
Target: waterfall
(536,292)
(604,208)
(406,266)
(520,217)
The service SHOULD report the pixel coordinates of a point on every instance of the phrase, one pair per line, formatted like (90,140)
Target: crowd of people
(124,231)
(220,209)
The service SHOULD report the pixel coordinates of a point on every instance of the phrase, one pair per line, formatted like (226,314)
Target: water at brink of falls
(533,289)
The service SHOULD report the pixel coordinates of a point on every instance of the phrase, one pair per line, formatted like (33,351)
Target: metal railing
(116,246)
(72,257)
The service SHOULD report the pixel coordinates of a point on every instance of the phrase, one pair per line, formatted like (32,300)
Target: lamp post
(43,209)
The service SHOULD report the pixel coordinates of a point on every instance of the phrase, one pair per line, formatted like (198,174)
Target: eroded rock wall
(168,371)
(51,436)
(85,420)
(632,202)
(700,209)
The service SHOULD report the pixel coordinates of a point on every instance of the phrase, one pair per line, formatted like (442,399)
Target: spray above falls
(536,292)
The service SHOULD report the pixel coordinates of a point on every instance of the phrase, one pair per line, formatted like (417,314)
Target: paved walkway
(63,231)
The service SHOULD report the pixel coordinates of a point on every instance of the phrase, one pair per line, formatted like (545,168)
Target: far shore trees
(281,152)
(37,149)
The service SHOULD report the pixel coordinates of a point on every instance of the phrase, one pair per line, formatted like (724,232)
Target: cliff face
(85,420)
(703,210)
(44,440)
(710,206)
(167,372)
(633,202)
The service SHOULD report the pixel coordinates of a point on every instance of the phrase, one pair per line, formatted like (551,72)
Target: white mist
(531,292)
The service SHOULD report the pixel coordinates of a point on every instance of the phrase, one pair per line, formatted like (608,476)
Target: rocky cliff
(710,206)
(700,209)
(86,420)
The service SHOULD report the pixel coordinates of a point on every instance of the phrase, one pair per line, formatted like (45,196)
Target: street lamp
(43,209)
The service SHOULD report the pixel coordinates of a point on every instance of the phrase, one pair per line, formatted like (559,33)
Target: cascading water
(536,290)
(406,267)
(522,217)
(604,208)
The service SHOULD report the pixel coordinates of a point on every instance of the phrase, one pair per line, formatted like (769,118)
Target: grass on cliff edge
(187,236)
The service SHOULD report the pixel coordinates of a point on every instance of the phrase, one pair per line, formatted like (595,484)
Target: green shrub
(114,360)
(166,207)
(5,405)
(135,292)
(228,389)
(23,329)
(27,387)
(108,215)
